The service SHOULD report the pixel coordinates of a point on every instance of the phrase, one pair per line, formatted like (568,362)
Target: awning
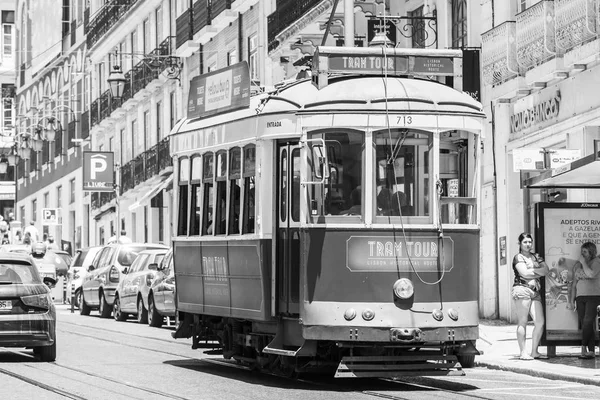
(580,174)
(151,193)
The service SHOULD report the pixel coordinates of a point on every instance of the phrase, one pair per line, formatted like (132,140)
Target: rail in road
(409,388)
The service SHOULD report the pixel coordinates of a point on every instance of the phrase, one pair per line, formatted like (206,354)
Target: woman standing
(528,268)
(585,293)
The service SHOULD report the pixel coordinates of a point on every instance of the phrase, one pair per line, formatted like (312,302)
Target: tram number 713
(404,120)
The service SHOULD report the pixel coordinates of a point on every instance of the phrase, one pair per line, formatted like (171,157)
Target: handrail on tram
(323,163)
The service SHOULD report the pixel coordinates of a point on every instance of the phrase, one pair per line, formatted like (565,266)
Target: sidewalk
(498,341)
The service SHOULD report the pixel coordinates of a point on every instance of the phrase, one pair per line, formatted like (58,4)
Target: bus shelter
(560,230)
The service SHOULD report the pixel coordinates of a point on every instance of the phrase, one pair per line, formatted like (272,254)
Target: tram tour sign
(382,61)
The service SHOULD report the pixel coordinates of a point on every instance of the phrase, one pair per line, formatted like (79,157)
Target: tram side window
(196,196)
(457,175)
(402,173)
(220,221)
(235,182)
(248,223)
(341,194)
(182,223)
(207,188)
(295,195)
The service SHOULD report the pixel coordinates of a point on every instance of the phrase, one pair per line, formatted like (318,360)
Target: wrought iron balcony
(535,35)
(184,27)
(105,19)
(200,15)
(218,6)
(71,134)
(146,165)
(499,54)
(286,13)
(85,125)
(575,22)
(101,198)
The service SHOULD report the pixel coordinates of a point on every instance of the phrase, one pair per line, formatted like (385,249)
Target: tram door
(288,224)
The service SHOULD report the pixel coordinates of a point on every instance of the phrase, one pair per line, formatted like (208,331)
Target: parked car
(66,257)
(77,270)
(132,292)
(27,313)
(161,296)
(107,269)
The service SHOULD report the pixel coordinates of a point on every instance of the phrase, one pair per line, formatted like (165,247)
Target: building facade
(540,73)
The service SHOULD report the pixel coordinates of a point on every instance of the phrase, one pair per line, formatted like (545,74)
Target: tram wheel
(467,361)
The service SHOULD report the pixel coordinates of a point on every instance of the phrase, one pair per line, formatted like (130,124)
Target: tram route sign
(221,91)
(386,253)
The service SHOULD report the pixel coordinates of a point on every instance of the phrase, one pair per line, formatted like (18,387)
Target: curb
(538,373)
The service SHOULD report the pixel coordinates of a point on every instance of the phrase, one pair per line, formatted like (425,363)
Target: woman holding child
(528,268)
(584,296)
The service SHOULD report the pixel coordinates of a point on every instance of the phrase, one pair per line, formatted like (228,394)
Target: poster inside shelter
(565,229)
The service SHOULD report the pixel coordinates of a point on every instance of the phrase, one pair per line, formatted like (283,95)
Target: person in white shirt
(33,232)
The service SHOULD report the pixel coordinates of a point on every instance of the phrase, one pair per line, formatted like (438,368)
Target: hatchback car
(109,265)
(132,292)
(27,313)
(161,296)
(81,262)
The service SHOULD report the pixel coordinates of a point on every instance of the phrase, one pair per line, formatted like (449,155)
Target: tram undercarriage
(258,345)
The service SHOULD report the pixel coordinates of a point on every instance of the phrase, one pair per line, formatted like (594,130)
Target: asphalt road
(105,359)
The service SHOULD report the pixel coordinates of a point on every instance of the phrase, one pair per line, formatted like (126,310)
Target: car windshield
(11,273)
(128,254)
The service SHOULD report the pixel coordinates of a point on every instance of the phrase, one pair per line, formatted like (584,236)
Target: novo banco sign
(541,111)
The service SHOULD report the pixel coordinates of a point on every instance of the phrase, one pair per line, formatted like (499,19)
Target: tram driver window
(402,173)
(207,187)
(341,194)
(248,224)
(184,177)
(457,176)
(196,196)
(220,220)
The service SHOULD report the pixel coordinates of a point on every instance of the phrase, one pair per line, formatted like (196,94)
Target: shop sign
(560,157)
(528,159)
(541,111)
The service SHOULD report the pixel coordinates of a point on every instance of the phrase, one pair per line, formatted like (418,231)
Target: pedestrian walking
(584,296)
(528,268)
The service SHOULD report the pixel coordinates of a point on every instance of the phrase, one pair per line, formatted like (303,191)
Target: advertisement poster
(562,229)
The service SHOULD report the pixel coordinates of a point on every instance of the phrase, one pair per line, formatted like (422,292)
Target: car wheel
(47,353)
(84,309)
(154,318)
(117,313)
(77,298)
(104,307)
(142,314)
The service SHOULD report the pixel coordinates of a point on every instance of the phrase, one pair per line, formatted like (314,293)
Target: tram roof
(352,93)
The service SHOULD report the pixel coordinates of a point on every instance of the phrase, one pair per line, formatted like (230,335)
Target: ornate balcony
(499,54)
(105,19)
(535,35)
(146,165)
(286,13)
(575,22)
(101,198)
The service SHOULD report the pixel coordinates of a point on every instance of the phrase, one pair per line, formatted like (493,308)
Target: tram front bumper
(397,335)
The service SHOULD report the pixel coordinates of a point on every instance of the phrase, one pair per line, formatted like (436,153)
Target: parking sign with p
(49,216)
(98,171)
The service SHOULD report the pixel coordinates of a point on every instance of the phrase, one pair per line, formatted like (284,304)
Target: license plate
(5,305)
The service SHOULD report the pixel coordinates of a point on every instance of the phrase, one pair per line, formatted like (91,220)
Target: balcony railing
(218,6)
(535,35)
(71,134)
(184,26)
(137,79)
(287,12)
(101,198)
(85,125)
(200,16)
(499,54)
(575,22)
(146,165)
(105,19)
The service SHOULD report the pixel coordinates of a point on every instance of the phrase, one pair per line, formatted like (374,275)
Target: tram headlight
(453,314)
(350,314)
(404,289)
(368,314)
(437,314)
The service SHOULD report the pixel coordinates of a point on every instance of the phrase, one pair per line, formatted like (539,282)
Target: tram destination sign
(224,90)
(366,64)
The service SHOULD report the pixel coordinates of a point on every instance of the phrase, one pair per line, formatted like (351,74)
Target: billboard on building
(562,229)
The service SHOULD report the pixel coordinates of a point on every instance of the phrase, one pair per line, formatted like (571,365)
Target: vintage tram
(332,224)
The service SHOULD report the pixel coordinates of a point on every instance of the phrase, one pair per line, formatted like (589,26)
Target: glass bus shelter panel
(458,166)
(341,194)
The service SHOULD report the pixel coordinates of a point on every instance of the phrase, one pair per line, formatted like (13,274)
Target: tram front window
(402,173)
(341,194)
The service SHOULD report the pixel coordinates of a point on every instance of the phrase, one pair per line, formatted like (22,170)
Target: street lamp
(116,81)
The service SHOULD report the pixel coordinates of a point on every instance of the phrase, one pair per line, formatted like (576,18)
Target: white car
(81,261)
